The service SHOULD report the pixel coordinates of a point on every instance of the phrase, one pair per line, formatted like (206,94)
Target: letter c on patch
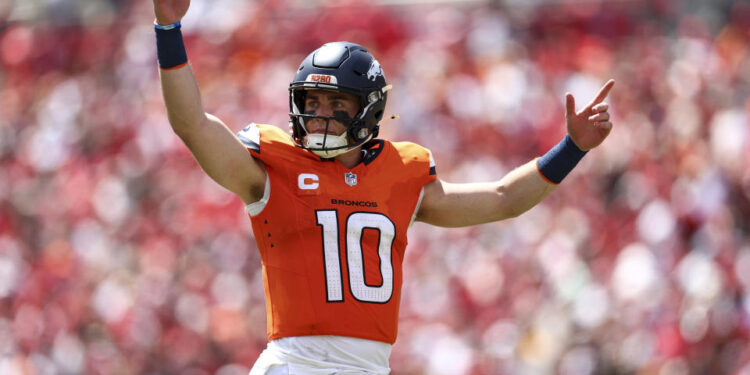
(307,181)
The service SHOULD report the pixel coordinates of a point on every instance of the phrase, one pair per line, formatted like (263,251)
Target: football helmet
(339,67)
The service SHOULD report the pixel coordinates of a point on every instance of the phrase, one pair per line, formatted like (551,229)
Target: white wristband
(166,27)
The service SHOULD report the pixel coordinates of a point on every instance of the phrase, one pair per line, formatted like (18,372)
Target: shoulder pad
(250,137)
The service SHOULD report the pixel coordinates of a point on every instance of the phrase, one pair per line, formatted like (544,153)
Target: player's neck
(351,159)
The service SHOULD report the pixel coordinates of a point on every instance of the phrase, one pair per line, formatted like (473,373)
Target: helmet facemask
(327,145)
(338,67)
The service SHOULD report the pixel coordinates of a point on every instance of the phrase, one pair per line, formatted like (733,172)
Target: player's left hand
(590,126)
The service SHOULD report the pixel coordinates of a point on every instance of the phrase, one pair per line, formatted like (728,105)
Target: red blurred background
(119,256)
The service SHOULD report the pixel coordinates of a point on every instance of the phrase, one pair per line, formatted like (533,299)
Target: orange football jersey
(332,239)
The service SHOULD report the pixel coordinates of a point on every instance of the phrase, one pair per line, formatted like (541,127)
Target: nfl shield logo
(350,178)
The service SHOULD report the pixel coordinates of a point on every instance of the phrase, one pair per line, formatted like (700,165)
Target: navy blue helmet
(341,67)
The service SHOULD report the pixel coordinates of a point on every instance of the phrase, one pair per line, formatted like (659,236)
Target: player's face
(325,103)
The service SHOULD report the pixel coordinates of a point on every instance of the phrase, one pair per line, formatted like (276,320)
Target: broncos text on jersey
(332,239)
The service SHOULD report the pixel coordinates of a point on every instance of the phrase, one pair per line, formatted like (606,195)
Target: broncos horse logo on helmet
(341,67)
(374,71)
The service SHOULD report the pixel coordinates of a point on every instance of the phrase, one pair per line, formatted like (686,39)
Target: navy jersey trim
(371,150)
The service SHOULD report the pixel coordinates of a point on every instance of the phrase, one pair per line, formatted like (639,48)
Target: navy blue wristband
(170,49)
(560,160)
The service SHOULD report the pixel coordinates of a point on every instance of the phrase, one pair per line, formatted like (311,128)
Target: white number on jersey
(356,223)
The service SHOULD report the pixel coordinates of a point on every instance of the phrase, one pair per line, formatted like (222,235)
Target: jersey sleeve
(273,147)
(433,168)
(418,160)
(262,141)
(419,167)
(250,137)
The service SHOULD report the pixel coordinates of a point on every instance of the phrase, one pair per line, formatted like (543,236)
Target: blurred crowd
(119,256)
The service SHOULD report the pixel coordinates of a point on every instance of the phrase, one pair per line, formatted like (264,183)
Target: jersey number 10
(356,223)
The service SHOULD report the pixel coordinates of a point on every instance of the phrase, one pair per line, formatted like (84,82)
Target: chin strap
(314,144)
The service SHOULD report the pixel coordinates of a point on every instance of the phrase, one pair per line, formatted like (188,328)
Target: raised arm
(455,205)
(221,155)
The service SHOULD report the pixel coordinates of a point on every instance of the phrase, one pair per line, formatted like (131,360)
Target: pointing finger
(603,92)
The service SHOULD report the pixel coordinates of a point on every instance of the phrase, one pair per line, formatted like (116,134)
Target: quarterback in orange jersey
(337,269)
(330,205)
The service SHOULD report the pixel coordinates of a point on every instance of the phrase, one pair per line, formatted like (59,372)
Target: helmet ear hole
(379,115)
(362,134)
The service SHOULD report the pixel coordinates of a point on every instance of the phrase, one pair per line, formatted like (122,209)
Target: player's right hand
(170,11)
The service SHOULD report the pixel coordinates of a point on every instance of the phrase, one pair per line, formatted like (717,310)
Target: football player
(330,205)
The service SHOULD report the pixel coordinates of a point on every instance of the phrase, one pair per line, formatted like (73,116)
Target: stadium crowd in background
(118,254)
